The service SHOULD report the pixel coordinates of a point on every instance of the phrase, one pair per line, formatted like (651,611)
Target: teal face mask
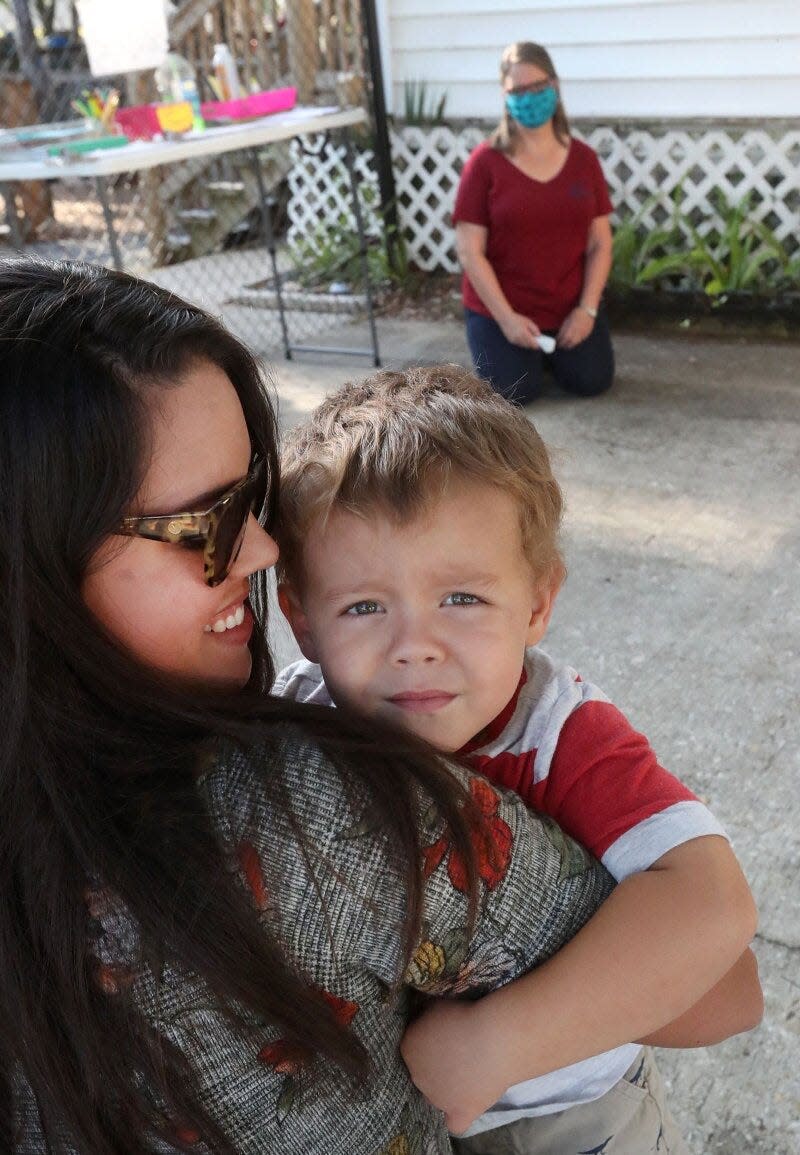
(532,109)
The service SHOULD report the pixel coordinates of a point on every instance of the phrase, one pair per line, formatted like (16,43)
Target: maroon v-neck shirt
(537,230)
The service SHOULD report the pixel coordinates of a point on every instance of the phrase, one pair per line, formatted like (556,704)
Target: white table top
(34,164)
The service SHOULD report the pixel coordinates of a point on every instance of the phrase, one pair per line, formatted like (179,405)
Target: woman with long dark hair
(217,905)
(534,240)
(213,904)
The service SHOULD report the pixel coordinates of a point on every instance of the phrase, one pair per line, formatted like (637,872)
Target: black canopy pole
(383,151)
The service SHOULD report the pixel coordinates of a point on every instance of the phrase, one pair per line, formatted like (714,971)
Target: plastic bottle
(175,81)
(224,67)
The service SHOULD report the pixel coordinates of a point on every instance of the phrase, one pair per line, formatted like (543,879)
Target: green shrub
(745,255)
(637,249)
(332,252)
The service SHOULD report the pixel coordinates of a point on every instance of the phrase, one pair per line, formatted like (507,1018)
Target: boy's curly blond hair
(393,442)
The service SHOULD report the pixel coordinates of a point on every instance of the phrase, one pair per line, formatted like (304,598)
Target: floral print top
(338,913)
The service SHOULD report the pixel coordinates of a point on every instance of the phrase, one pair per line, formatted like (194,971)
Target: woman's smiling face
(150,595)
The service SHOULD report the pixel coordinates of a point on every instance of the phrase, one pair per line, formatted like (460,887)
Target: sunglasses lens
(231,526)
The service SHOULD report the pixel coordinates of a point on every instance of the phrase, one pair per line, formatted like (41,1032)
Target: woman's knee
(519,384)
(513,372)
(587,384)
(588,369)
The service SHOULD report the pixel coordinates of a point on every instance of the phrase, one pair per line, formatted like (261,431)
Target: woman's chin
(237,678)
(232,674)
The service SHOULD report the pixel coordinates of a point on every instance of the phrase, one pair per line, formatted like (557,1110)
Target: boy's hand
(449,1053)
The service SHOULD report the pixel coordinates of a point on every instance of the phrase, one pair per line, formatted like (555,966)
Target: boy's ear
(293,612)
(544,599)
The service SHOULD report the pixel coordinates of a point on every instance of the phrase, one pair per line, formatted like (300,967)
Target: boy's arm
(734,1005)
(659,942)
(606,788)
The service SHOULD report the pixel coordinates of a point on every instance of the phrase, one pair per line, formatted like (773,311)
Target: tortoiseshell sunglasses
(219,529)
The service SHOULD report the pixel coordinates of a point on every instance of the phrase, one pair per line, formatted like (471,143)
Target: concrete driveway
(683,602)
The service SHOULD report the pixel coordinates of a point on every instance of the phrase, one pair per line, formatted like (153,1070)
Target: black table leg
(102,196)
(362,244)
(268,237)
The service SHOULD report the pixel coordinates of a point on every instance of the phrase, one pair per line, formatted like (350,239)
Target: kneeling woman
(534,239)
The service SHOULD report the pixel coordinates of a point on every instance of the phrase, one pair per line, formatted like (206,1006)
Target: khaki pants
(630,1119)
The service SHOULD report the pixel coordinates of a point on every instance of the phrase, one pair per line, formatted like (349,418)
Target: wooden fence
(274,41)
(305,43)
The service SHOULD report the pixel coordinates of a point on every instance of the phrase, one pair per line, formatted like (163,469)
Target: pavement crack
(792,946)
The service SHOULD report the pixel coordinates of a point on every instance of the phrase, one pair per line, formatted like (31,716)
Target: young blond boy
(420,564)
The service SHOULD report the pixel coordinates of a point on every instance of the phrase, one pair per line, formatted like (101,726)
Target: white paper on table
(123,37)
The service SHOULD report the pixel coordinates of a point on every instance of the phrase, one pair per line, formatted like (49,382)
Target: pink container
(257,104)
(139,122)
(277,100)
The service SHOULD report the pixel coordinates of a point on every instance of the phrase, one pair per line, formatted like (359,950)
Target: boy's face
(424,623)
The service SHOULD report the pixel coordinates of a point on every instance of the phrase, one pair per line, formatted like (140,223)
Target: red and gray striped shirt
(569,753)
(563,747)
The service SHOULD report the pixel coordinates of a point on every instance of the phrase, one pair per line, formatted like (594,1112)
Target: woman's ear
(544,599)
(293,611)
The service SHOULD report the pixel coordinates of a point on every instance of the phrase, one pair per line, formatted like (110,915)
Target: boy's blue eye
(459,598)
(365,607)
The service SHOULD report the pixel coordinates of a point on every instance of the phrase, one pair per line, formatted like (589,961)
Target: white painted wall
(617,58)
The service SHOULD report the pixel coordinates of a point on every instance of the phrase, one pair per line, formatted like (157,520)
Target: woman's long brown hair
(506,136)
(99,756)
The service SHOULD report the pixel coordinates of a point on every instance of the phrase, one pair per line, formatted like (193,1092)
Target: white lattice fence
(427,163)
(640,164)
(643,164)
(320,192)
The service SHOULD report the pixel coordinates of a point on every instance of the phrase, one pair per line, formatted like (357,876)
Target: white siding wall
(620,58)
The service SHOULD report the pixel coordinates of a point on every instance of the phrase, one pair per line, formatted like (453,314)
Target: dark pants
(518,373)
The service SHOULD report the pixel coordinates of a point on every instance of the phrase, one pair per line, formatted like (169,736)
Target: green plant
(637,248)
(790,273)
(742,255)
(420,105)
(332,252)
(734,259)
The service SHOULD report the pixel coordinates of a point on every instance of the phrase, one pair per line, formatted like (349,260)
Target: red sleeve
(472,197)
(604,778)
(603,205)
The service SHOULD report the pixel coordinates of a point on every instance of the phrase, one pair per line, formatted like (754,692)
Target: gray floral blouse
(338,911)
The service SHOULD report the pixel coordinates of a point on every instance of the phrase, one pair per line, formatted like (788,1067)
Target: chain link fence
(236,230)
